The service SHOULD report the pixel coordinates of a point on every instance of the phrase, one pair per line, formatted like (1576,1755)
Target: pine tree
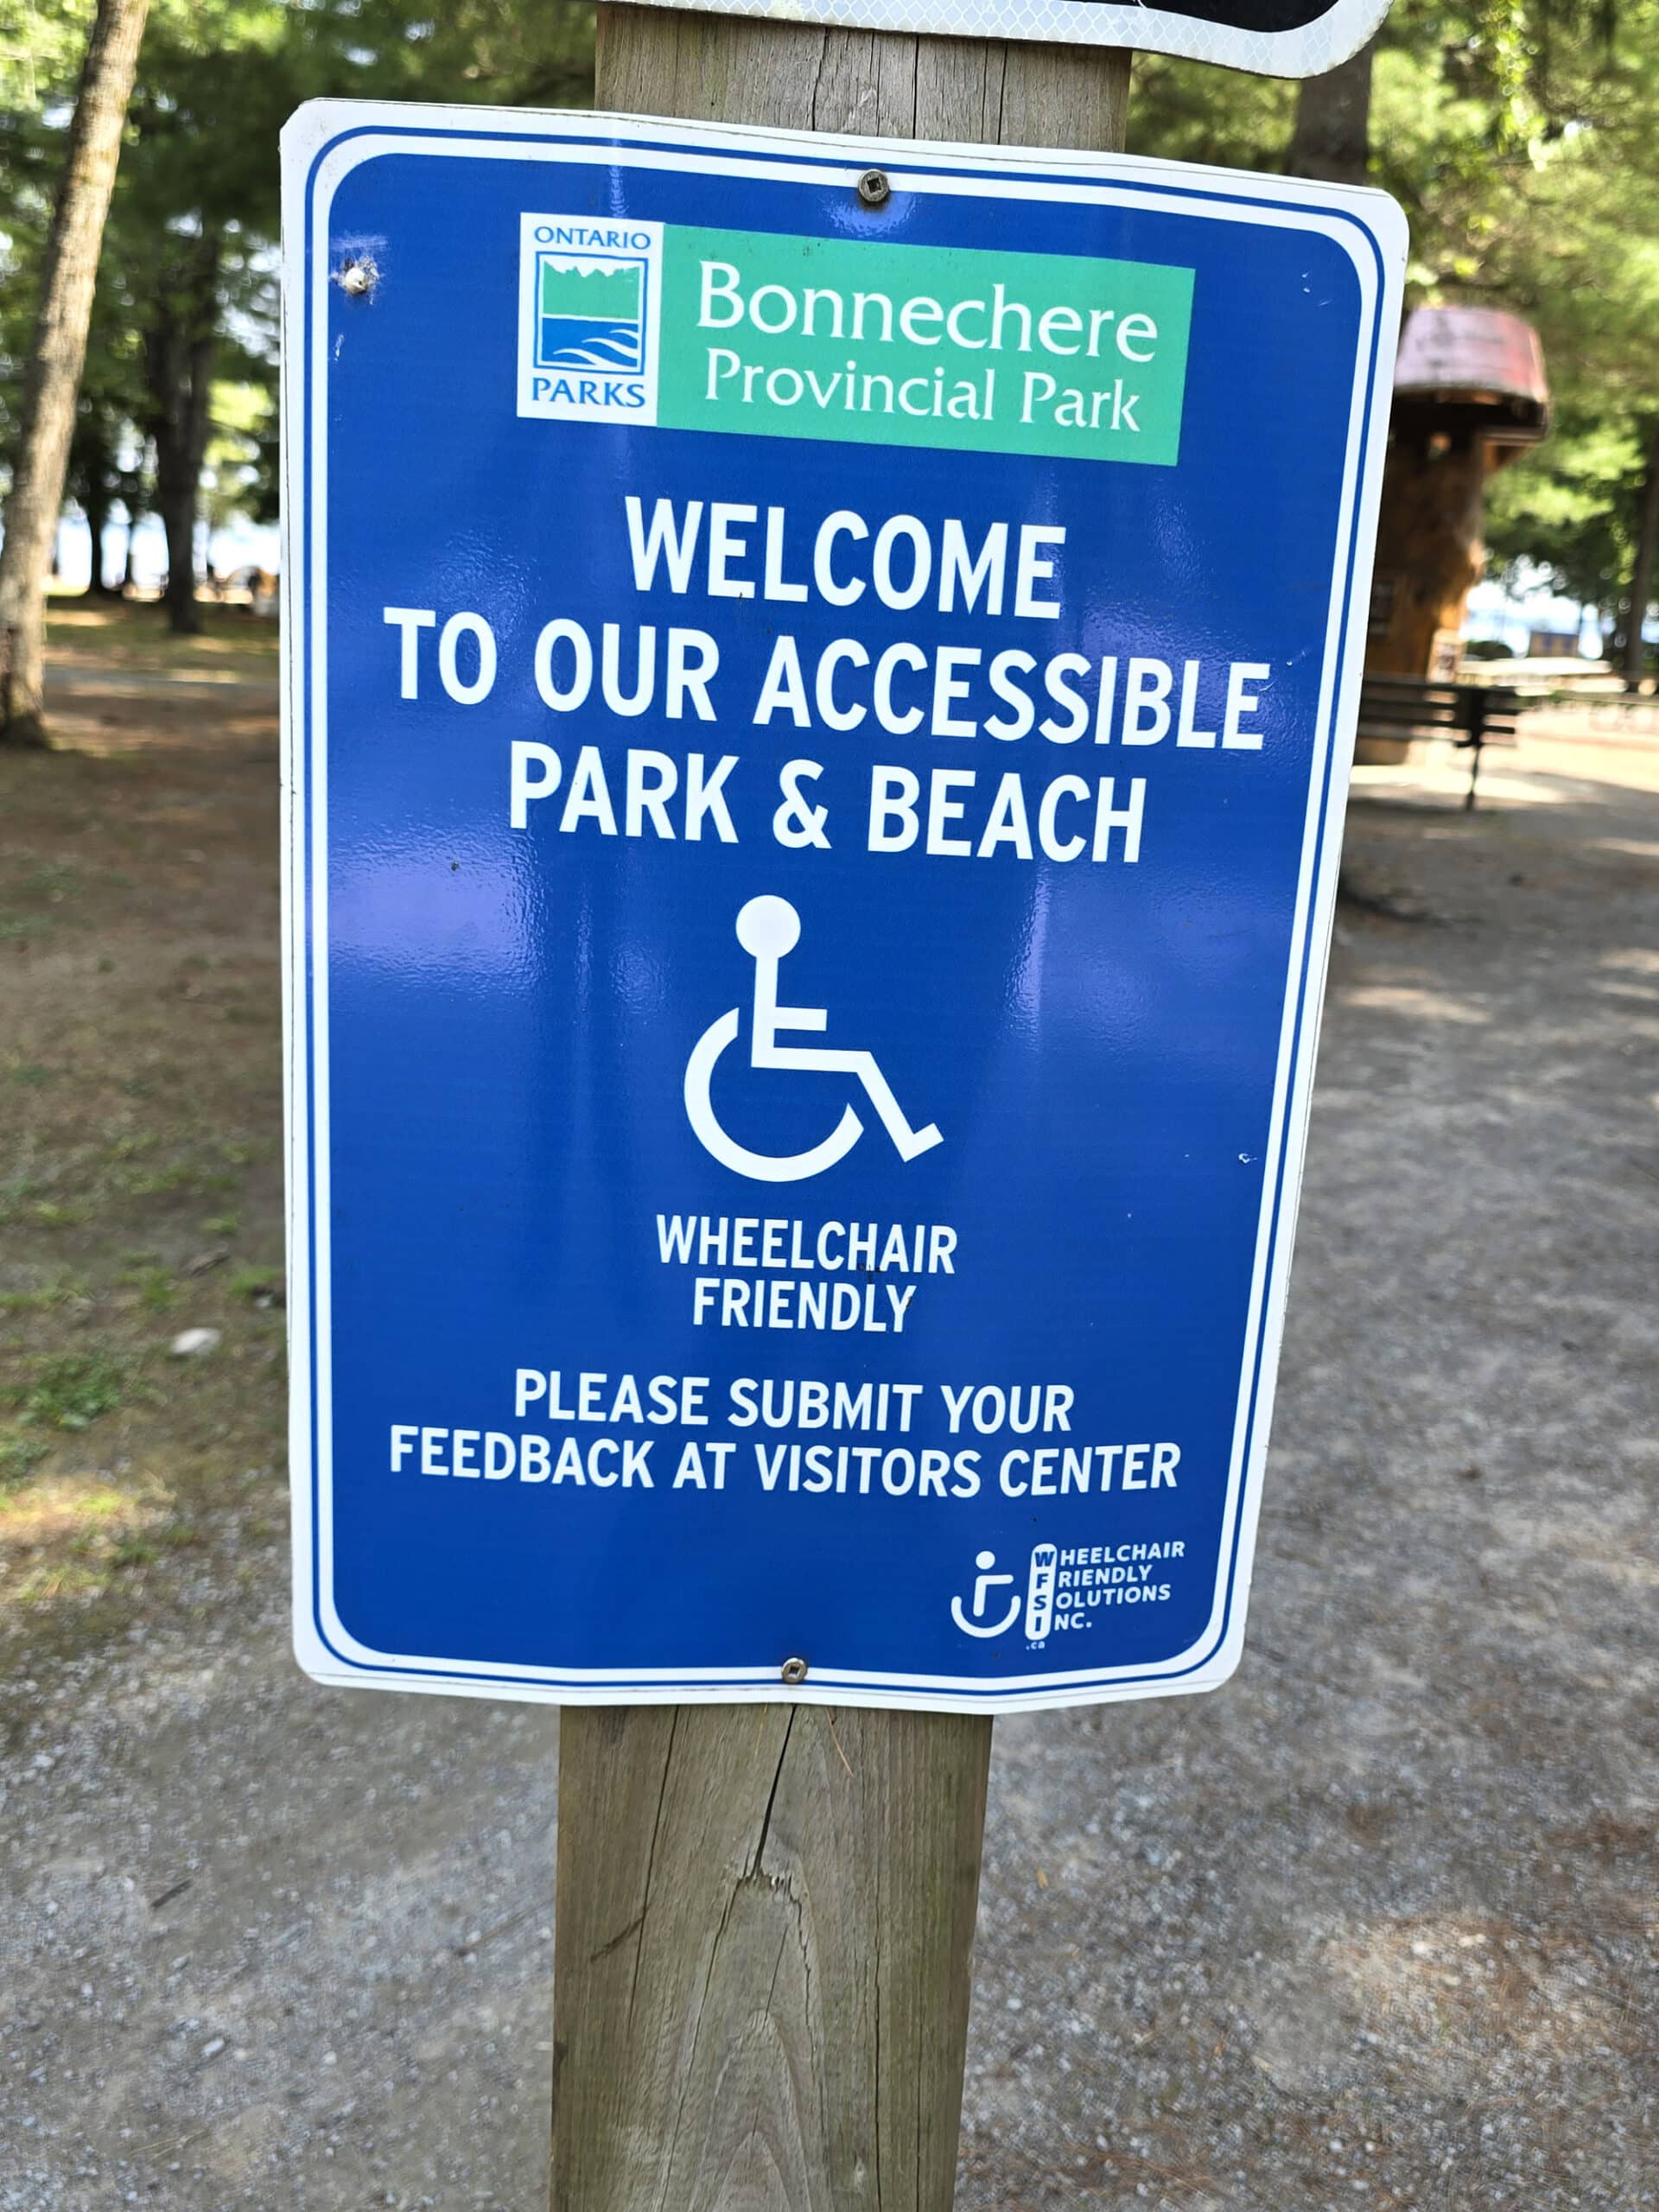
(52,371)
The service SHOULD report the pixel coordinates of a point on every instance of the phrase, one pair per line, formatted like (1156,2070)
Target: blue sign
(817,749)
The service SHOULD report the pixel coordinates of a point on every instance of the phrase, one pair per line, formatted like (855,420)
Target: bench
(1471,716)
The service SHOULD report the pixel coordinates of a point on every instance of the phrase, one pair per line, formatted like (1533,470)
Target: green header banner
(921,346)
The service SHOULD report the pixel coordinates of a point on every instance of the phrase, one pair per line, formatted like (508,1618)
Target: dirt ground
(1377,1924)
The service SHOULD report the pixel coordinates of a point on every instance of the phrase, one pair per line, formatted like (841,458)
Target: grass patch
(44,1300)
(23,1200)
(144,1134)
(82,1516)
(19,1457)
(176,1175)
(14,1196)
(48,1583)
(71,1390)
(131,1144)
(82,1183)
(39,898)
(129,635)
(49,883)
(61,1213)
(155,1286)
(101,1505)
(142,1548)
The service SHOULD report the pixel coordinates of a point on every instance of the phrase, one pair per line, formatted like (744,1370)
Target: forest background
(1521,136)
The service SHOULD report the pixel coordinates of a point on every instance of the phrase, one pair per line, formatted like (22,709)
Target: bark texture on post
(765,1924)
(56,357)
(803,77)
(765,1913)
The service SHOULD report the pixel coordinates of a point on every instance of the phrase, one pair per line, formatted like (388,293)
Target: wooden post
(802,77)
(765,1913)
(765,1924)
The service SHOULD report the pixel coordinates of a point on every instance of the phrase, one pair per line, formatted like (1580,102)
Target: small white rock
(189,1342)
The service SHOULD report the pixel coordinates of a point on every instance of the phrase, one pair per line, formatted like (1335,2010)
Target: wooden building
(1469,394)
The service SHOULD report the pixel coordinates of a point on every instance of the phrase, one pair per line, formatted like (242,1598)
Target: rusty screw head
(873,189)
(794,1670)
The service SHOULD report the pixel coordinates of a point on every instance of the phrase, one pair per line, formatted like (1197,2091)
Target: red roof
(1472,353)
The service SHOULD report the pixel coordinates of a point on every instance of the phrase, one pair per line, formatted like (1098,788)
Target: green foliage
(191,244)
(1575,248)
(1569,509)
(1522,138)
(239,477)
(1185,112)
(40,46)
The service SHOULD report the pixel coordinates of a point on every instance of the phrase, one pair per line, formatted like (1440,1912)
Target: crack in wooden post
(788,2034)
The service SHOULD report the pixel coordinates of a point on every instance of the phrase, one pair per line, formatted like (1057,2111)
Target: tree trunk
(134,495)
(176,503)
(52,370)
(1428,552)
(95,506)
(1332,135)
(1647,541)
(178,350)
(96,512)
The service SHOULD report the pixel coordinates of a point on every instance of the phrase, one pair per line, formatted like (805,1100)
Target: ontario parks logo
(589,311)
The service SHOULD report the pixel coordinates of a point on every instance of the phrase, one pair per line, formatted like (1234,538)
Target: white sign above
(1274,38)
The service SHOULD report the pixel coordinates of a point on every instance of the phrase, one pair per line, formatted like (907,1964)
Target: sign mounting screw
(794,1670)
(873,188)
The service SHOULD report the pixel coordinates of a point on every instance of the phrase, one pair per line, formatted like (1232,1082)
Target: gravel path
(1376,1925)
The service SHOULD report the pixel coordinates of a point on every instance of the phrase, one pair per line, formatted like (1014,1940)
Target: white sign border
(1337,32)
(322,142)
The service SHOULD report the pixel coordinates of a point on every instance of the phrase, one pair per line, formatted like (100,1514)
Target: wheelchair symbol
(767,929)
(984,1581)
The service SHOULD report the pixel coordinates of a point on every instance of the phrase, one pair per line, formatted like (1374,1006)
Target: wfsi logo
(1038,1600)
(1063,1589)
